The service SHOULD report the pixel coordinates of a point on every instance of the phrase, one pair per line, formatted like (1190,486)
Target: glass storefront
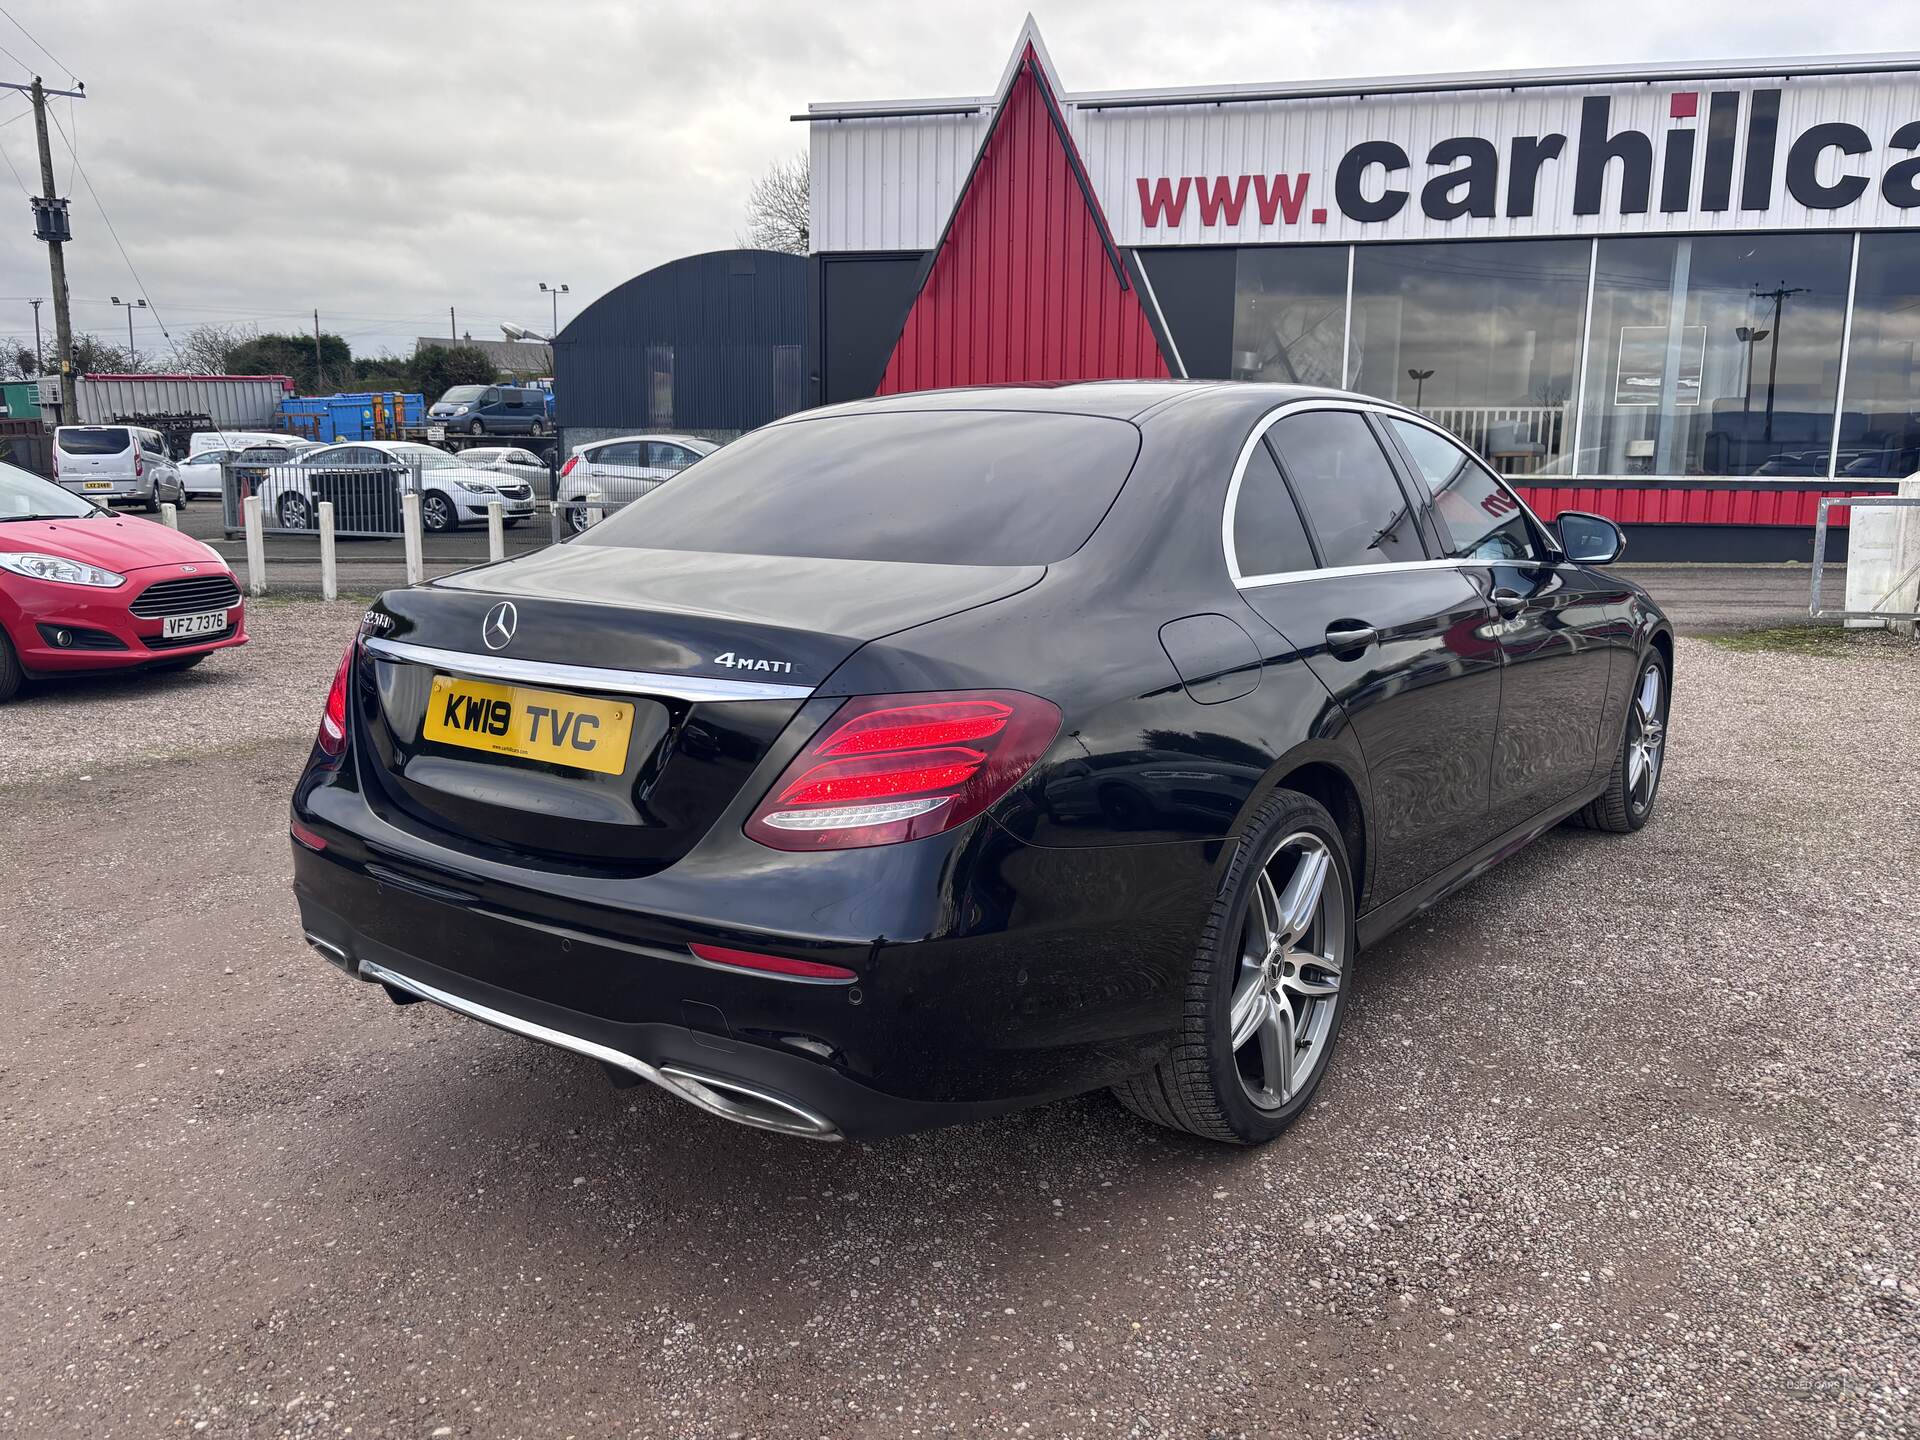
(1714,355)
(1880,421)
(1484,338)
(1290,314)
(1638,356)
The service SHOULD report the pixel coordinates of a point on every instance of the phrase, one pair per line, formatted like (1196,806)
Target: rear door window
(627,452)
(1359,514)
(1479,517)
(929,487)
(106,440)
(1269,537)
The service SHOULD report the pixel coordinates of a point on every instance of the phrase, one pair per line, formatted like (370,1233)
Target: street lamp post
(130,306)
(1749,337)
(1419,378)
(556,291)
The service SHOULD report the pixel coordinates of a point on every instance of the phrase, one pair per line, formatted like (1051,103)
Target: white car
(200,473)
(366,478)
(513,461)
(623,469)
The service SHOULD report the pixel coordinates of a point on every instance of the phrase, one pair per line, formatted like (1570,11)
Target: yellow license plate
(530,724)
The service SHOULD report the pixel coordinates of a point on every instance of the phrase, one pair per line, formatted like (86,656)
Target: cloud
(385,161)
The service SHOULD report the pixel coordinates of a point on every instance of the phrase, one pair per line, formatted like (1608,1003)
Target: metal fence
(366,498)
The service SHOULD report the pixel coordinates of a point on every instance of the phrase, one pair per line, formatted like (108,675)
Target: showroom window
(1714,355)
(1880,421)
(1290,313)
(1481,336)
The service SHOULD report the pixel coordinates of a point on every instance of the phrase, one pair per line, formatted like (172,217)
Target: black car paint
(1043,949)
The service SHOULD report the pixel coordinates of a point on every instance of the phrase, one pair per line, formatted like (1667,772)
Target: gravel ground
(271,686)
(1621,1140)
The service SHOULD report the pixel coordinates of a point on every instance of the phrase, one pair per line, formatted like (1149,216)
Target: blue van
(493,410)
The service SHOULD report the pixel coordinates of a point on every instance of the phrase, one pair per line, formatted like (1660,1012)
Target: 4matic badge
(747,662)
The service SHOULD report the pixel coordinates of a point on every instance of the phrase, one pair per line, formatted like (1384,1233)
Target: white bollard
(496,531)
(169,516)
(329,570)
(410,528)
(256,546)
(594,513)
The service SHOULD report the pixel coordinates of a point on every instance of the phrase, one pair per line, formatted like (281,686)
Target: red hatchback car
(83,589)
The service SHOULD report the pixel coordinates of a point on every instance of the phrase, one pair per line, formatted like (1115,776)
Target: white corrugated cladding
(890,183)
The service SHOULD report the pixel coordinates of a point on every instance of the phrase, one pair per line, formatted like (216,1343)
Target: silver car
(624,469)
(513,461)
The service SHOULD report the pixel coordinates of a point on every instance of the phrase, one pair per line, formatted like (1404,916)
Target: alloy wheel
(437,513)
(294,513)
(1647,745)
(1293,955)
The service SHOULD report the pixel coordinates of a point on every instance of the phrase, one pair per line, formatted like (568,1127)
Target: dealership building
(1686,297)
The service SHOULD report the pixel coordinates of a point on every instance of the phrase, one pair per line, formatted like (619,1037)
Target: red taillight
(306,835)
(887,768)
(772,964)
(332,738)
(567,469)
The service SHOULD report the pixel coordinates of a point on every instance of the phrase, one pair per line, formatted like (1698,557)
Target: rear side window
(1481,518)
(930,487)
(106,440)
(1268,536)
(1359,514)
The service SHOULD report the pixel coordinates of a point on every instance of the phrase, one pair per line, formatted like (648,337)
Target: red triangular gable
(1026,283)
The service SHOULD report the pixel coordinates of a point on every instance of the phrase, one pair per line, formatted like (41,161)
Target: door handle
(1508,601)
(1345,636)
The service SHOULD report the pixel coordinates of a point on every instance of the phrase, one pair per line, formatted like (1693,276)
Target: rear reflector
(888,768)
(305,836)
(771,964)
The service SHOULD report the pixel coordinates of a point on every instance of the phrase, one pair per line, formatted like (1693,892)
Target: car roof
(1135,400)
(694,440)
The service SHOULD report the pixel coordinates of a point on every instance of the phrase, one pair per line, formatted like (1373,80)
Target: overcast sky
(386,161)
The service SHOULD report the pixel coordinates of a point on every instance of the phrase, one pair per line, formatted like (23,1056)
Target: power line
(36,43)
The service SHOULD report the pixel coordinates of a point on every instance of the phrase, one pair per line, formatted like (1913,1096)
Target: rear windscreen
(930,487)
(110,440)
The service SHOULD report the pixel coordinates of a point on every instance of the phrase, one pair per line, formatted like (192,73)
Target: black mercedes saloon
(918,759)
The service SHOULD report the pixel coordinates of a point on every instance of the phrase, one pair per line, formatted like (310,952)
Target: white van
(203,440)
(114,464)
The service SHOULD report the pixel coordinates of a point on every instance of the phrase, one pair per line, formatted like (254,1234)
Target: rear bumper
(1070,979)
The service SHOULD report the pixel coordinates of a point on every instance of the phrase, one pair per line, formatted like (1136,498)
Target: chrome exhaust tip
(729,1099)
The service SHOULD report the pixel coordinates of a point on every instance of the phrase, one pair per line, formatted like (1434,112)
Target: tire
(538,427)
(1290,1000)
(437,513)
(153,502)
(577,519)
(476,428)
(10,672)
(295,511)
(1634,782)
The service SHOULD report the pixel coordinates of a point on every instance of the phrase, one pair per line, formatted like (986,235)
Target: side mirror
(1589,539)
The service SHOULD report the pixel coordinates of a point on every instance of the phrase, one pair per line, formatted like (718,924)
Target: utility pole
(453,327)
(39,360)
(1779,296)
(52,226)
(317,383)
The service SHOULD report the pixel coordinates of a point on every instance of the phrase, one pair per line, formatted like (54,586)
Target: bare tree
(204,350)
(777,214)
